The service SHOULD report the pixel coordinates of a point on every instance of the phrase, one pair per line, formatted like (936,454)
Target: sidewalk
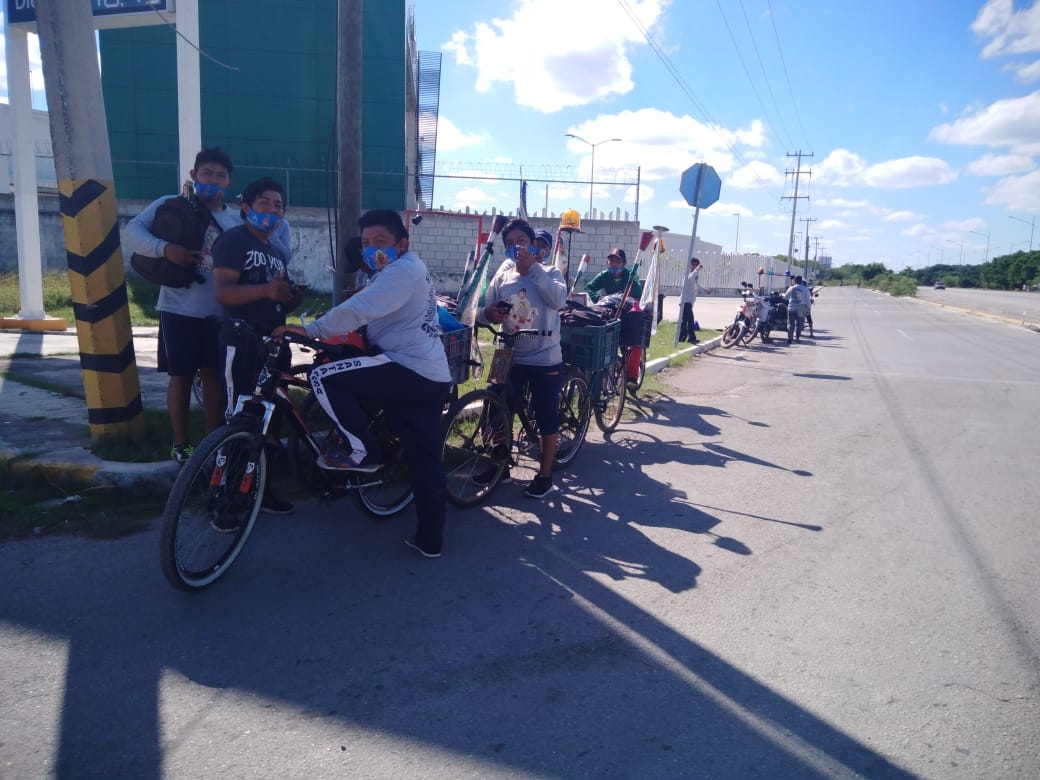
(48,429)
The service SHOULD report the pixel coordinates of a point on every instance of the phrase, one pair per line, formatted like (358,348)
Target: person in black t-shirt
(253,284)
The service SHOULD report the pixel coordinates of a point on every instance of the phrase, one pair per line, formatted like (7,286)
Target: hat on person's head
(619,253)
(544,235)
(798,280)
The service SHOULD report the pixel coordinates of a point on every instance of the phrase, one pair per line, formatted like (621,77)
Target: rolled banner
(645,239)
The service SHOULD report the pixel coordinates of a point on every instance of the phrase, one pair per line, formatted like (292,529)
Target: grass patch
(38,504)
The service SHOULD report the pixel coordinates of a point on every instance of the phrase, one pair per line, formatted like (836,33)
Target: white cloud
(450,138)
(902,216)
(1010,32)
(841,168)
(1011,123)
(590,60)
(908,172)
(920,230)
(1001,164)
(754,174)
(1017,193)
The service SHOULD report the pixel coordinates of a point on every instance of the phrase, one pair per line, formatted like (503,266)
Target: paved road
(816,561)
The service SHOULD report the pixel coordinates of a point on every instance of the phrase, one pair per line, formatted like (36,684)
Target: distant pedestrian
(687,324)
(799,298)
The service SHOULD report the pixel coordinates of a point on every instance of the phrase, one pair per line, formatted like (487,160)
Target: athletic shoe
(274,505)
(410,541)
(540,486)
(181,453)
(341,460)
(487,476)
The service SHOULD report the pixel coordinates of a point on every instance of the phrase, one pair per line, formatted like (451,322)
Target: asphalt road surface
(808,561)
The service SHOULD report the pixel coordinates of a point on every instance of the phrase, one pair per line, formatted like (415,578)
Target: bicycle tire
(575,412)
(610,403)
(388,491)
(476,444)
(193,553)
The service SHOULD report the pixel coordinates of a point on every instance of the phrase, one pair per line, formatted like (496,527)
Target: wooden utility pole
(348,134)
(83,163)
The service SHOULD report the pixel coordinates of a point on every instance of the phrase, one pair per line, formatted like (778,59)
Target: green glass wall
(268,92)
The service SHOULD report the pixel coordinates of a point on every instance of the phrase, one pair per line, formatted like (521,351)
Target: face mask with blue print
(207,191)
(616,272)
(513,252)
(376,257)
(265,222)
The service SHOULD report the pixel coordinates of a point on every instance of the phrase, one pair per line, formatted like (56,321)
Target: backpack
(179,220)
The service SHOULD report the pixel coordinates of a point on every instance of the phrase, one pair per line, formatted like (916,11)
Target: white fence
(722,272)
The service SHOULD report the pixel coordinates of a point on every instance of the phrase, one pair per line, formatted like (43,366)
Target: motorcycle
(745,323)
(774,317)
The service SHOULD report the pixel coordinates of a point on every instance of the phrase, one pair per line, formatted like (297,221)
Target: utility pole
(348,134)
(794,206)
(83,163)
(807,220)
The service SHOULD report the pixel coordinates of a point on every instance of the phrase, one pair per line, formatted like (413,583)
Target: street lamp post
(985,257)
(1031,223)
(960,261)
(592,162)
(736,241)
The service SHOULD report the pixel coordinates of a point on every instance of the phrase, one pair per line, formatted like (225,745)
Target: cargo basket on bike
(636,327)
(457,344)
(590,347)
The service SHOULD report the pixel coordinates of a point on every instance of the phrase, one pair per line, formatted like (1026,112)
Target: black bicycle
(480,443)
(214,502)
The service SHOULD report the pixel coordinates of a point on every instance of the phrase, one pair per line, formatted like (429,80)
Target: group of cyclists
(243,272)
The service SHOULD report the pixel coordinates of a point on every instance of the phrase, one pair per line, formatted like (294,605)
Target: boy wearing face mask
(615,278)
(189,316)
(408,378)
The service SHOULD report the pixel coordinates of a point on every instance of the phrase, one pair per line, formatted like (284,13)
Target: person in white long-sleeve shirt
(687,330)
(408,378)
(534,294)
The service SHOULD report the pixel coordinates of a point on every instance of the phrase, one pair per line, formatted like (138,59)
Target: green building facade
(268,90)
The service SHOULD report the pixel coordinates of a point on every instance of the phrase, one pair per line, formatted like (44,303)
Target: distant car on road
(940,285)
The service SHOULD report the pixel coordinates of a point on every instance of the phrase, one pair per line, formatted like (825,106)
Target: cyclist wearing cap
(615,278)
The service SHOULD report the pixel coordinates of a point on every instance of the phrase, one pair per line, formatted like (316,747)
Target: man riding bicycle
(525,294)
(408,377)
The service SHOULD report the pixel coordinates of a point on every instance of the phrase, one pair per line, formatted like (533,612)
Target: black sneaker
(410,541)
(340,460)
(274,505)
(540,486)
(487,476)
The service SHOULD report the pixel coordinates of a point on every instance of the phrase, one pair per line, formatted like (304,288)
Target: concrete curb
(660,364)
(976,313)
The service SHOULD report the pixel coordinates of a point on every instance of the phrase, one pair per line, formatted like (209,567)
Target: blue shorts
(187,344)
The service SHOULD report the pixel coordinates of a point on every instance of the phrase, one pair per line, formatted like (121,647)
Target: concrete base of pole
(35,324)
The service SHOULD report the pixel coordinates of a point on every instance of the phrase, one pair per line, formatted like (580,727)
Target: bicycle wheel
(196,390)
(611,401)
(388,491)
(635,384)
(476,446)
(575,411)
(212,507)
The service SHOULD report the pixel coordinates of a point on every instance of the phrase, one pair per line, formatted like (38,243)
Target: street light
(1031,223)
(979,233)
(736,241)
(592,163)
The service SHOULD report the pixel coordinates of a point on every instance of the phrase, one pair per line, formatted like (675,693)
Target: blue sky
(923,117)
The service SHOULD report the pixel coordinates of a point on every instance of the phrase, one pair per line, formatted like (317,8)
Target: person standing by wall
(189,317)
(688,296)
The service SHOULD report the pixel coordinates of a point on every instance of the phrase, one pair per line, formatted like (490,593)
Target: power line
(787,77)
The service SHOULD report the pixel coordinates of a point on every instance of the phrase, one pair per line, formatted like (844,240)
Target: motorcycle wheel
(749,333)
(733,333)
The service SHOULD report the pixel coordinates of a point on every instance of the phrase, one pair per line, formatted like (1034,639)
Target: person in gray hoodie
(525,294)
(408,377)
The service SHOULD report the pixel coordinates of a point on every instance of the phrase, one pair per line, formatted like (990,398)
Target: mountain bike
(481,438)
(214,502)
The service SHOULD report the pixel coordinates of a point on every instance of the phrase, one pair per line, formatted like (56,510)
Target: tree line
(1007,272)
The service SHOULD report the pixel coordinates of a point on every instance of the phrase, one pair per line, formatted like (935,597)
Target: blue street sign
(700,185)
(24,11)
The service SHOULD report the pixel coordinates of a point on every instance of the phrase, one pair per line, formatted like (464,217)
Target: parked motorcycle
(745,323)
